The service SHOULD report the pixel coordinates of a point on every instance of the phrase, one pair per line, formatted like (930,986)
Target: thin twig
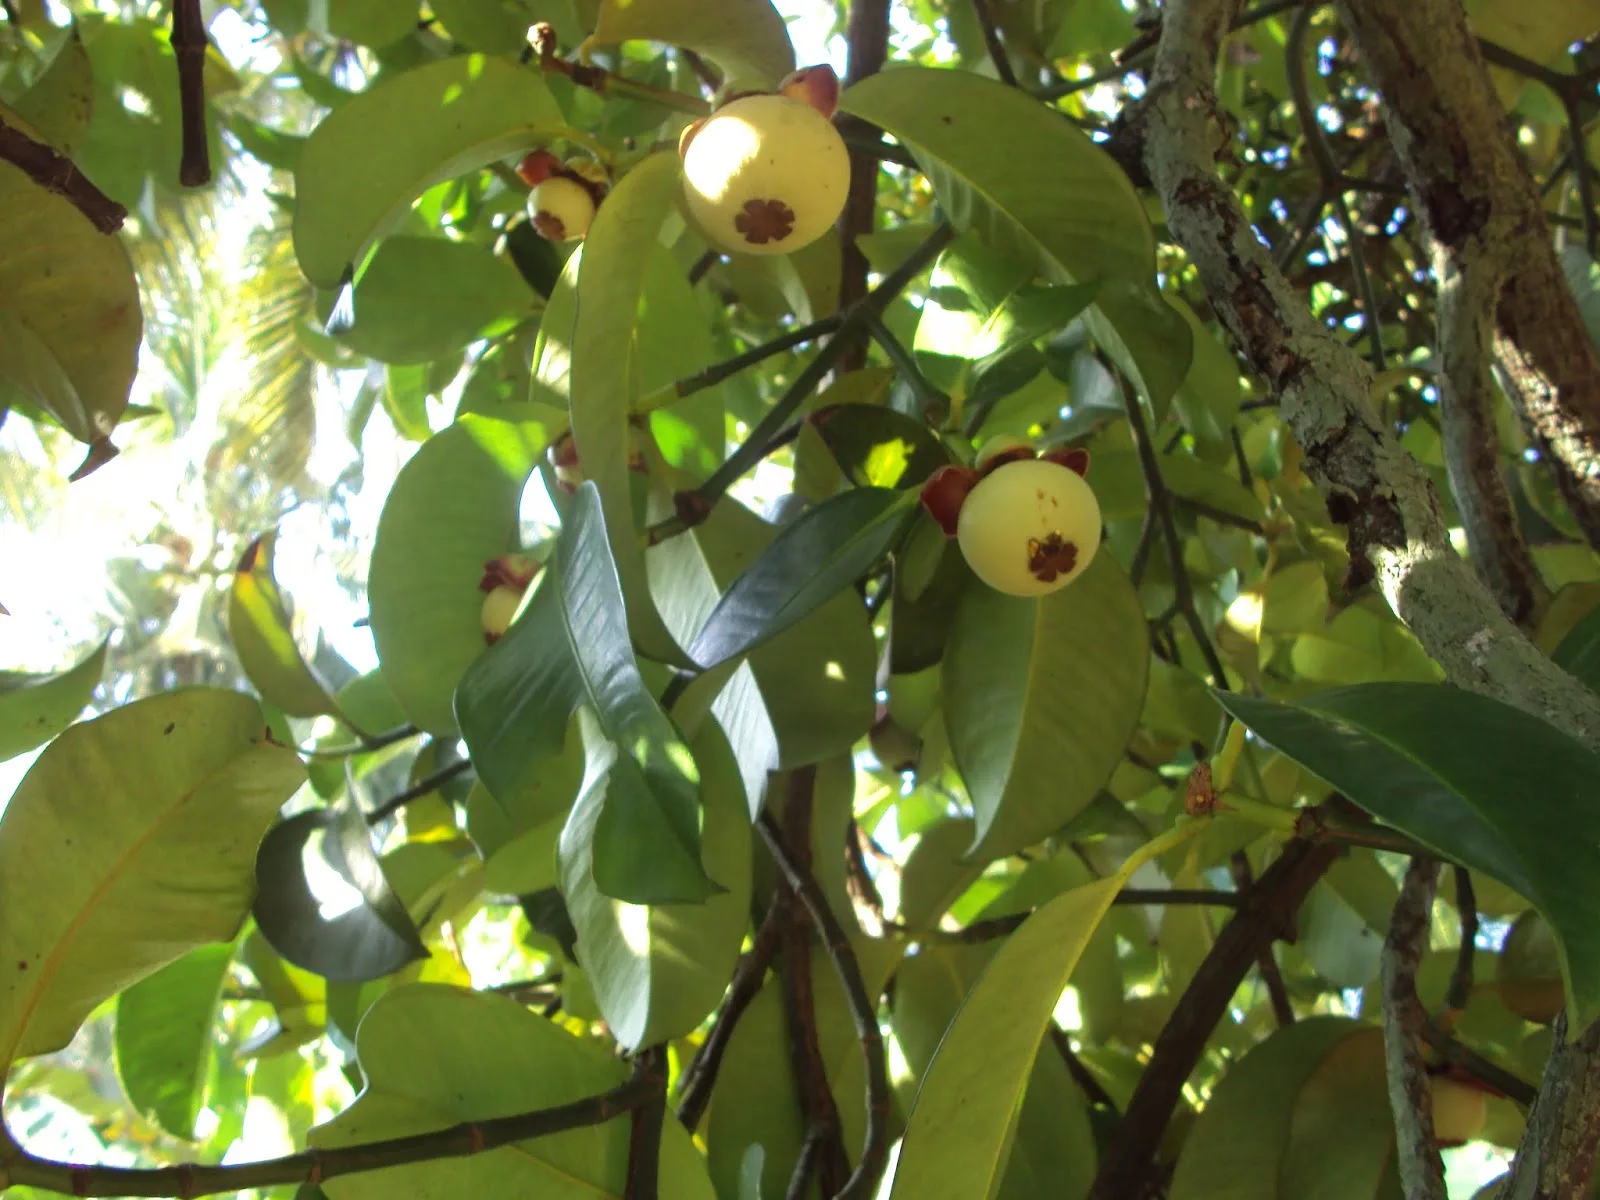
(693,506)
(991,40)
(998,927)
(189,44)
(1582,174)
(428,783)
(21,1169)
(703,265)
(1267,963)
(1220,515)
(717,372)
(694,1092)
(366,744)
(1404,1018)
(1081,1075)
(1459,992)
(931,399)
(1160,502)
(56,173)
(863,1011)
(1459,1054)
(805,1163)
(542,36)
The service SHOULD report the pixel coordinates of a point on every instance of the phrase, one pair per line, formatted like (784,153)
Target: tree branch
(717,372)
(1448,132)
(644,1138)
(1266,914)
(1404,1018)
(1459,992)
(20,1169)
(863,1011)
(1395,530)
(867,38)
(189,48)
(1557,1154)
(56,173)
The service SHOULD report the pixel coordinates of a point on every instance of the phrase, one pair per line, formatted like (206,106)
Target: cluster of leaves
(587,789)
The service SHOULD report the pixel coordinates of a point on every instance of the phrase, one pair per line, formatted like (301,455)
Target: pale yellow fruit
(1459,1110)
(561,209)
(765,175)
(499,607)
(1529,972)
(1029,528)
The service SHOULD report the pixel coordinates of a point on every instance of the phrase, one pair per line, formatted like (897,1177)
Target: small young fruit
(509,570)
(561,208)
(1529,972)
(563,458)
(1460,1110)
(499,607)
(1001,449)
(537,167)
(765,175)
(1029,528)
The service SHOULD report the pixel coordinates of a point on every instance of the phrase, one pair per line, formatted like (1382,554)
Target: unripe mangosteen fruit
(538,166)
(764,175)
(1029,528)
(499,608)
(561,208)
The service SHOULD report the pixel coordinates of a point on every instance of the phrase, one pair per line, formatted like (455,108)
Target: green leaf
(1583,277)
(1041,697)
(366,163)
(570,648)
(1005,164)
(1208,401)
(60,102)
(1478,781)
(34,708)
(748,40)
(259,628)
(1029,182)
(323,901)
(493,26)
(657,972)
(956,1140)
(271,146)
(369,22)
(803,696)
(1237,1146)
(615,265)
(164,1037)
(824,551)
(299,1000)
(453,507)
(437,1056)
(422,298)
(70,323)
(1579,651)
(108,873)
(1150,342)
(879,447)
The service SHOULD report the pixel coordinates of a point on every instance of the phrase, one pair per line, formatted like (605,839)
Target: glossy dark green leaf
(1150,342)
(1027,314)
(368,161)
(323,902)
(824,551)
(570,649)
(1041,697)
(108,873)
(1476,780)
(34,708)
(879,447)
(164,1037)
(421,298)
